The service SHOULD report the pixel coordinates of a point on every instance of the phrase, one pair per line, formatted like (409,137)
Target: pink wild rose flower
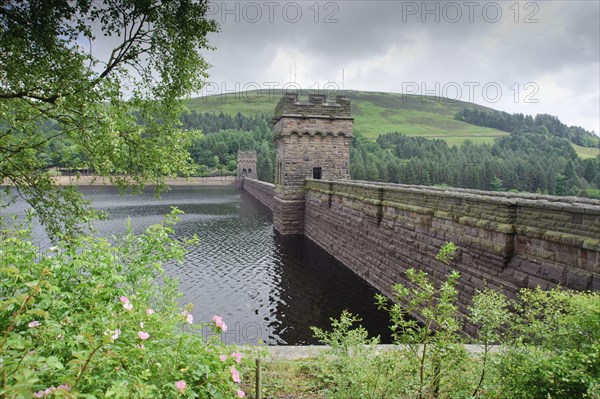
(237,356)
(235,375)
(218,320)
(181,385)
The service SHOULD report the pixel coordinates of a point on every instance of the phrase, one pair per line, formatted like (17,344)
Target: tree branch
(122,50)
(29,95)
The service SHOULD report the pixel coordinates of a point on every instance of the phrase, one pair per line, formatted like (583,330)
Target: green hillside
(374,113)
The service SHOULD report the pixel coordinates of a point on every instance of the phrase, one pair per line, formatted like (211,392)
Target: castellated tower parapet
(312,141)
(317,106)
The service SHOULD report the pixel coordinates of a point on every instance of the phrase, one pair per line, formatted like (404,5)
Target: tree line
(541,123)
(536,160)
(214,150)
(531,162)
(222,136)
(211,122)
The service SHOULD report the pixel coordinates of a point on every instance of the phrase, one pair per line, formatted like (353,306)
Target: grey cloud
(565,38)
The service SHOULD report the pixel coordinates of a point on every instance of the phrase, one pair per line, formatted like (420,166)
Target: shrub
(92,319)
(432,344)
(489,311)
(554,348)
(352,367)
(549,345)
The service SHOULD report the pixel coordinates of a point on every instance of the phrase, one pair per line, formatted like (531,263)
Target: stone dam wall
(506,241)
(264,192)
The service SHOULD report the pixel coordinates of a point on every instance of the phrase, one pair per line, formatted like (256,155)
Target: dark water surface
(265,286)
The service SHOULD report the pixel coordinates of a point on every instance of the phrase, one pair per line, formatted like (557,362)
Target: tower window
(317,173)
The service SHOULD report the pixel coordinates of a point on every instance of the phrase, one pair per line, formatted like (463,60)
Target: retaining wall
(507,241)
(264,192)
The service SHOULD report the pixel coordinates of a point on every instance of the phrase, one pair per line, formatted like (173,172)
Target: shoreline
(177,181)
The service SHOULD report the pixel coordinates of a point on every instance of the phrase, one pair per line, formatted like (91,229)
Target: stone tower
(312,141)
(246,166)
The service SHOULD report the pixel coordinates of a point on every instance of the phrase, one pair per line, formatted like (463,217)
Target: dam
(506,241)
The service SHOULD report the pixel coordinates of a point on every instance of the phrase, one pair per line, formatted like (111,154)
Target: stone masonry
(312,140)
(264,192)
(505,241)
(246,166)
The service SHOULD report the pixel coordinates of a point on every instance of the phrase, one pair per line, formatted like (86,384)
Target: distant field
(250,103)
(585,152)
(378,113)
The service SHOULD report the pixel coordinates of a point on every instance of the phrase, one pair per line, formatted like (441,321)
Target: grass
(286,379)
(374,113)
(312,378)
(378,113)
(585,152)
(250,103)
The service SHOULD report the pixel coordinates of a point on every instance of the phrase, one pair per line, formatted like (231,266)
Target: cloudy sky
(530,57)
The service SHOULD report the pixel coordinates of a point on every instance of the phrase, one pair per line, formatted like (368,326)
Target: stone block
(520,278)
(531,268)
(577,281)
(595,284)
(535,282)
(553,274)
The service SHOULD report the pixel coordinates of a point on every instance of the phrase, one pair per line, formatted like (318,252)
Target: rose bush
(93,318)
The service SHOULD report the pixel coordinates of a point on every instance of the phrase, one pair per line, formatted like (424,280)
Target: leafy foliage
(119,110)
(547,345)
(530,162)
(554,350)
(489,312)
(352,368)
(91,319)
(431,344)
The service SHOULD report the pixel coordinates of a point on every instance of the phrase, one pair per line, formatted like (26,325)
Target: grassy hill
(378,113)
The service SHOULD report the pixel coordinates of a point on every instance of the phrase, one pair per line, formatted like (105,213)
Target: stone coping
(502,196)
(296,352)
(260,182)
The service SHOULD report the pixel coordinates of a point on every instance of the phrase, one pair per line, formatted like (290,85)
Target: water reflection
(315,287)
(267,287)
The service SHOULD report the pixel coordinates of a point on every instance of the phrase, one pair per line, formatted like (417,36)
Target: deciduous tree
(111,76)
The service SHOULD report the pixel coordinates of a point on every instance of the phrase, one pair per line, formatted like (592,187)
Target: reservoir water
(266,287)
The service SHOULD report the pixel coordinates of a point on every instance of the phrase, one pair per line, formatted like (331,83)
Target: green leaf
(54,363)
